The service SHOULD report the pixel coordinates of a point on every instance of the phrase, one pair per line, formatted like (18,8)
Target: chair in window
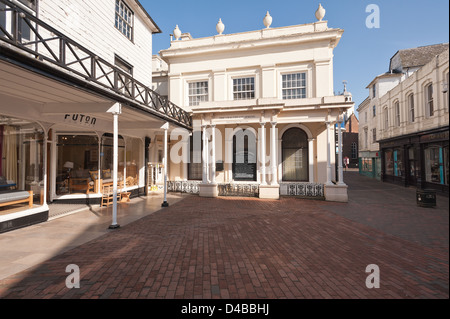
(108,194)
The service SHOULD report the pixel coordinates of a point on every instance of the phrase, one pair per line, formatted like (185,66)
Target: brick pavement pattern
(250,248)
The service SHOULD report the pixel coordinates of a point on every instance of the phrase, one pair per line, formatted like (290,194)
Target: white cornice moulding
(251,40)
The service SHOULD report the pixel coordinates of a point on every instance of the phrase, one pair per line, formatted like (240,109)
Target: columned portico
(335,192)
(208,187)
(271,191)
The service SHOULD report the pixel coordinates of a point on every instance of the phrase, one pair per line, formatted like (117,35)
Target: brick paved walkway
(251,248)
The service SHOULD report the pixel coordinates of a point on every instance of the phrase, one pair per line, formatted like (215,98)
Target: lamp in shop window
(69,167)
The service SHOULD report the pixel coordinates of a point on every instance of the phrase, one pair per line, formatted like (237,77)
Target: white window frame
(122,21)
(411,107)
(305,87)
(397,113)
(386,118)
(429,102)
(189,95)
(366,138)
(233,92)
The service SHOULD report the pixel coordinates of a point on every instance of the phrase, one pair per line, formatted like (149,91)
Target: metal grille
(190,187)
(302,189)
(239,189)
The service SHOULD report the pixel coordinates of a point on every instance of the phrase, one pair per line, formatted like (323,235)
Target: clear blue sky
(362,53)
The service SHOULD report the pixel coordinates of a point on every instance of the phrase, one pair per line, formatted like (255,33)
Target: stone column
(274,154)
(328,124)
(213,154)
(263,153)
(340,167)
(205,156)
(311,159)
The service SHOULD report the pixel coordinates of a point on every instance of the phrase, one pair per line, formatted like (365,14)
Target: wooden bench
(12,197)
(108,195)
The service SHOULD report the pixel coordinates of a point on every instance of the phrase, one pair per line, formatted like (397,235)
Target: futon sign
(80,119)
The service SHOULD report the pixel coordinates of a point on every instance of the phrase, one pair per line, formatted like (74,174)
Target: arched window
(244,156)
(295,155)
(412,115)
(429,100)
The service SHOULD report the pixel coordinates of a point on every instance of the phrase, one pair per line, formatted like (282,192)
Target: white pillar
(204,156)
(328,154)
(263,154)
(311,159)
(229,160)
(45,155)
(213,153)
(340,167)
(165,163)
(115,166)
(274,153)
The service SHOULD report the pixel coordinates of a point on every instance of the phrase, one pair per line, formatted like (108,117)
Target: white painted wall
(91,24)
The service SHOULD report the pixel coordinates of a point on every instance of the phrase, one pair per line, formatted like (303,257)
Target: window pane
(243,88)
(198,92)
(294,86)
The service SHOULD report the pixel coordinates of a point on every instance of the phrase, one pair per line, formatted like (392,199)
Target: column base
(269,191)
(208,190)
(336,193)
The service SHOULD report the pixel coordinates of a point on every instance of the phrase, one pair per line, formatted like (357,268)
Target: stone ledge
(336,193)
(269,191)
(208,190)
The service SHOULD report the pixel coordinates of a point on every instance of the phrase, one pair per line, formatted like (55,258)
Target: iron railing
(22,30)
(315,190)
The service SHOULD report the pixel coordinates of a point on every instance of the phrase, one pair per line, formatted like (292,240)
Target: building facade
(76,108)
(414,135)
(350,141)
(263,111)
(371,118)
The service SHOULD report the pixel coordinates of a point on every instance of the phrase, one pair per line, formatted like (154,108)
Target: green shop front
(419,160)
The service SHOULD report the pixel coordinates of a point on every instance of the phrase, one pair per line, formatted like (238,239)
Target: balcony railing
(22,30)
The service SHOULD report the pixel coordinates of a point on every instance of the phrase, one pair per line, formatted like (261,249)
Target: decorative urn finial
(220,27)
(320,13)
(267,20)
(177,33)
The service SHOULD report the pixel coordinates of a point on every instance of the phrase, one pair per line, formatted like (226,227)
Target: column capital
(262,123)
(213,125)
(311,139)
(274,123)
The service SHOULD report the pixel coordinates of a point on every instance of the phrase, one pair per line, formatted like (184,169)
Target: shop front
(57,145)
(419,160)
(22,173)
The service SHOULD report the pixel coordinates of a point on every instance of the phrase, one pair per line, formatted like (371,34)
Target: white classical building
(263,111)
(77,113)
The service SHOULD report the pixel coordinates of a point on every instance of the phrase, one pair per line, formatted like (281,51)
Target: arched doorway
(244,156)
(295,155)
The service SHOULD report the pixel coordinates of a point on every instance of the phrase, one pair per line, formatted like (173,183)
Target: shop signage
(80,119)
(434,137)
